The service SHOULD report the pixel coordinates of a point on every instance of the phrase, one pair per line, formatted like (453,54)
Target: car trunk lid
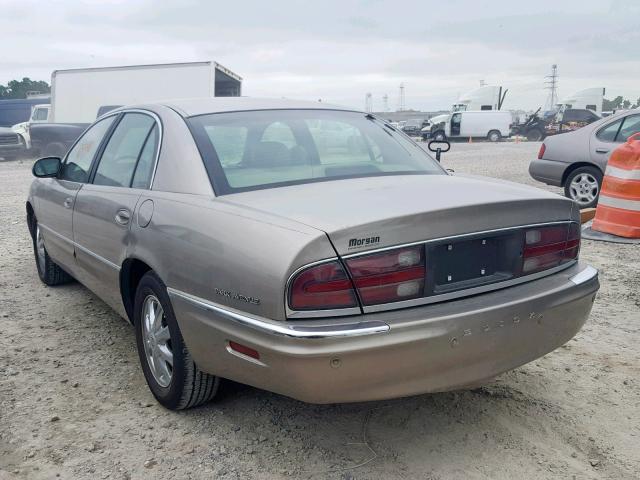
(376,212)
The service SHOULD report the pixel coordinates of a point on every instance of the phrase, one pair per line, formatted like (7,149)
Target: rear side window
(146,163)
(120,156)
(78,162)
(630,126)
(608,133)
(620,130)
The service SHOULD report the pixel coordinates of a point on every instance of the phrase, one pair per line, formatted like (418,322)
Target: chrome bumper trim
(296,331)
(584,276)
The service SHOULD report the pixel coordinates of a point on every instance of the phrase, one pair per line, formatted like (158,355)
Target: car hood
(394,210)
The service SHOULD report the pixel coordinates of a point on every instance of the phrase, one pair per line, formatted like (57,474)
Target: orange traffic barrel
(618,210)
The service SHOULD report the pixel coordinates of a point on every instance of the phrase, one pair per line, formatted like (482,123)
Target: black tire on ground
(54,149)
(189,386)
(589,172)
(49,272)
(494,136)
(534,135)
(439,136)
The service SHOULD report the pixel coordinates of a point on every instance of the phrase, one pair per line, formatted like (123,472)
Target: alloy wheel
(584,188)
(40,251)
(157,341)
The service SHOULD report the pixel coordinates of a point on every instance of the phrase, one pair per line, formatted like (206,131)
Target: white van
(490,124)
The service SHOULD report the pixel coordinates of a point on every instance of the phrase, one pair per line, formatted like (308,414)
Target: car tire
(439,136)
(534,135)
(173,377)
(494,136)
(583,186)
(49,272)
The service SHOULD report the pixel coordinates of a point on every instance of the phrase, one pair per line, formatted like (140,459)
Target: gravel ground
(74,403)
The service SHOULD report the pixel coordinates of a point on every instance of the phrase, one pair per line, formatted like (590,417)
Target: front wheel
(173,377)
(583,186)
(49,272)
(439,136)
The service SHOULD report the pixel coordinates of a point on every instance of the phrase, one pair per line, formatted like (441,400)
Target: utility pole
(551,84)
(368,103)
(385,102)
(401,107)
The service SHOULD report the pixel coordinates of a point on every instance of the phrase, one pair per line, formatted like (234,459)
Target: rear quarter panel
(570,147)
(205,247)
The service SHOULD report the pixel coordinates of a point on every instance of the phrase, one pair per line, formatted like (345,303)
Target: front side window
(266,149)
(78,162)
(120,156)
(40,114)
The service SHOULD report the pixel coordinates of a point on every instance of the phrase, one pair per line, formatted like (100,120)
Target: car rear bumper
(390,354)
(547,171)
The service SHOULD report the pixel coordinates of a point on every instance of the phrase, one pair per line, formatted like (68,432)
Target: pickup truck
(11,144)
(55,139)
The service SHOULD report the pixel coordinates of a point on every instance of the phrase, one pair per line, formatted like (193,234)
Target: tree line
(619,103)
(19,88)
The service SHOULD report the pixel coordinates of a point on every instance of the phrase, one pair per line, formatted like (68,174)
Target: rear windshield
(271,148)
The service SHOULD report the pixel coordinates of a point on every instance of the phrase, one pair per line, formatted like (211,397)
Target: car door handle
(602,150)
(68,202)
(123,216)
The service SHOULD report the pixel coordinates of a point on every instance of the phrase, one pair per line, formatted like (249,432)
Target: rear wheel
(583,186)
(494,136)
(49,272)
(172,376)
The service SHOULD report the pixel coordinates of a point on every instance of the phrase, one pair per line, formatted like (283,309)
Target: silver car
(309,250)
(577,160)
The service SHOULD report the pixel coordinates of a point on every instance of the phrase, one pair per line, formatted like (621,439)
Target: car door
(106,204)
(608,137)
(56,196)
(456,120)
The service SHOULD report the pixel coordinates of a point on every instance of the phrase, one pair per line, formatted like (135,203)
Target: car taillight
(543,147)
(322,287)
(548,247)
(389,276)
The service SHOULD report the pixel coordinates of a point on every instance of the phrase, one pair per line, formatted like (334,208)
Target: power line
(551,84)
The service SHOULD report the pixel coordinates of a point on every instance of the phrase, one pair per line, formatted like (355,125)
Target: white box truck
(76,95)
(81,95)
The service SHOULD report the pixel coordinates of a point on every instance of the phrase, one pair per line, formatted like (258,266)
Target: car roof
(189,107)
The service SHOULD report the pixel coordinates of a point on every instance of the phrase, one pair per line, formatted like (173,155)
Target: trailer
(78,94)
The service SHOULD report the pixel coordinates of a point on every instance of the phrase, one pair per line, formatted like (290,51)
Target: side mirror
(437,149)
(46,167)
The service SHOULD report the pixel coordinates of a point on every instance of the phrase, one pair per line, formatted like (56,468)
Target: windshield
(265,149)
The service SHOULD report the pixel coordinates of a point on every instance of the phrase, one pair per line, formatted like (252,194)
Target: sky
(338,50)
